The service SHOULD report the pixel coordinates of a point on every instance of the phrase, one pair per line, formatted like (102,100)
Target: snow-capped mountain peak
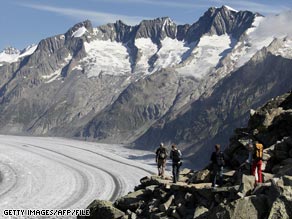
(11,54)
(230,8)
(10,51)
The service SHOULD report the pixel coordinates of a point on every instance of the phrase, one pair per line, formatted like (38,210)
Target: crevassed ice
(170,54)
(106,57)
(146,49)
(286,49)
(8,57)
(206,55)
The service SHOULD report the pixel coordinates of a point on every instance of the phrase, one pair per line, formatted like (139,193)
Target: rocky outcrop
(221,21)
(240,196)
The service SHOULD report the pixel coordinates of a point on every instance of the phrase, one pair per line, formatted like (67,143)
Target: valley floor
(56,173)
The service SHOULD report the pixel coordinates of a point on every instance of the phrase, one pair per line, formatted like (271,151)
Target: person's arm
(156,155)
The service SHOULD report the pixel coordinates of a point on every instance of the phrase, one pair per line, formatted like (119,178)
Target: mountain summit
(156,81)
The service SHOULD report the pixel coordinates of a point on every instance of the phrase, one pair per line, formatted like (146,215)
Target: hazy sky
(24,22)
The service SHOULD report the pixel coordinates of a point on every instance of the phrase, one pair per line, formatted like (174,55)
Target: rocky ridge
(139,85)
(239,197)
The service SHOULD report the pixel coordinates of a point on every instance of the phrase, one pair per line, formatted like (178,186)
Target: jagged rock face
(156,81)
(220,21)
(211,119)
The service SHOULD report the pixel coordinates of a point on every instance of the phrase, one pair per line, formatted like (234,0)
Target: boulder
(201,176)
(285,170)
(132,201)
(244,208)
(247,184)
(267,176)
(200,211)
(164,206)
(279,210)
(104,210)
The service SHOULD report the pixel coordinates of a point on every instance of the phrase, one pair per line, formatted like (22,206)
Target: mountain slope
(156,81)
(211,119)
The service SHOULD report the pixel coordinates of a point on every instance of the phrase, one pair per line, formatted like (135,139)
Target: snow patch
(10,58)
(254,25)
(206,56)
(52,76)
(106,57)
(28,51)
(286,49)
(230,8)
(11,55)
(80,32)
(78,67)
(146,49)
(57,74)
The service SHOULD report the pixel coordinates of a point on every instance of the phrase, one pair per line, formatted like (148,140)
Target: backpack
(162,153)
(176,156)
(258,153)
(220,159)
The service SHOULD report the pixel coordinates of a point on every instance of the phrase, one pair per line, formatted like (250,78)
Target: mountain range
(144,84)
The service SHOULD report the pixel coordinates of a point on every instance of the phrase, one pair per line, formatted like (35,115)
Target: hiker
(175,156)
(217,159)
(161,155)
(257,161)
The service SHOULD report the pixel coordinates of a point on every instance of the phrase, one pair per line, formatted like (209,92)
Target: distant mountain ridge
(156,81)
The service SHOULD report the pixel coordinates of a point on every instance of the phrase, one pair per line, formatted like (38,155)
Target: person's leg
(220,176)
(259,167)
(214,175)
(159,166)
(253,167)
(174,169)
(177,171)
(163,167)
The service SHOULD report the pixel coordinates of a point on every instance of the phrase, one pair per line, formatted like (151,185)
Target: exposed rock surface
(156,81)
(240,196)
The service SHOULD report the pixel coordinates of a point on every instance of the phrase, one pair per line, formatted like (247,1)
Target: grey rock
(248,184)
(200,210)
(164,207)
(132,201)
(104,210)
(279,210)
(248,208)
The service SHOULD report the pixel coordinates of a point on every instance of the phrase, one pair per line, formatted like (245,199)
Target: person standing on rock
(161,155)
(257,161)
(217,159)
(175,156)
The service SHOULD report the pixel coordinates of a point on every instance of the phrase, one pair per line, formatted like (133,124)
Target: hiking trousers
(161,167)
(217,173)
(175,171)
(257,164)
